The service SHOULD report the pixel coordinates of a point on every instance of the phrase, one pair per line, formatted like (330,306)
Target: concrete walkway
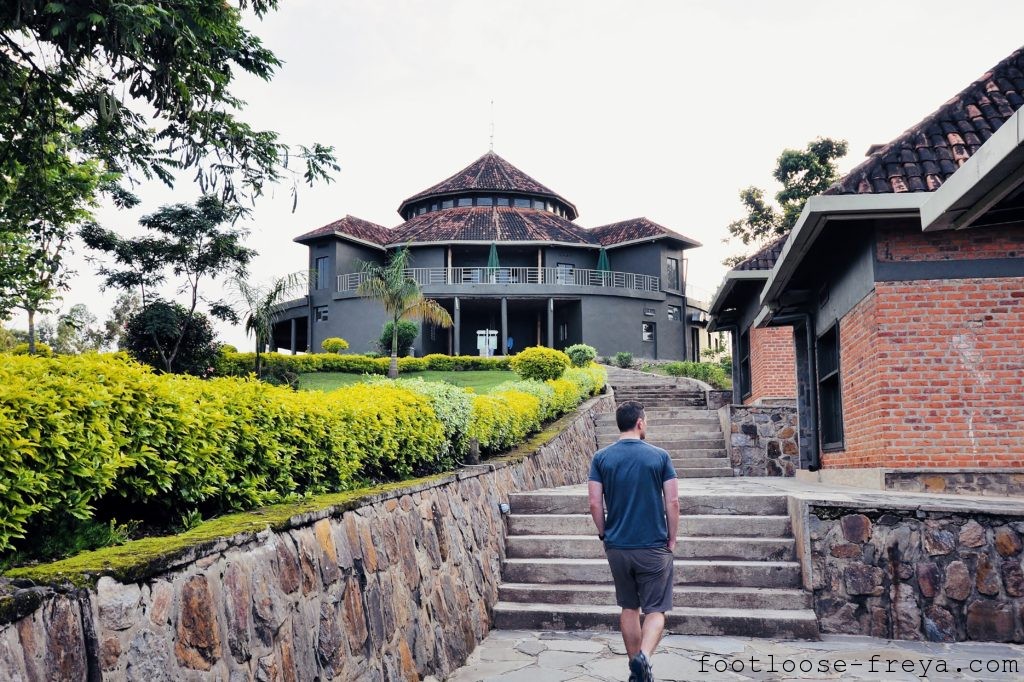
(523,656)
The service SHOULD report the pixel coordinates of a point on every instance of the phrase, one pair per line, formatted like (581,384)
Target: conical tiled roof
(489,173)
(490,224)
(924,157)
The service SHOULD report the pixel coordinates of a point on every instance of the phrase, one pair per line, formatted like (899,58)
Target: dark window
(322,268)
(502,201)
(830,395)
(484,201)
(694,344)
(675,313)
(650,312)
(744,377)
(538,204)
(563,331)
(320,313)
(672,273)
(433,206)
(466,201)
(447,203)
(522,203)
(647,331)
(421,210)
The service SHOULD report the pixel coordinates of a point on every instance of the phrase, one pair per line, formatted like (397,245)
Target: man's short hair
(627,414)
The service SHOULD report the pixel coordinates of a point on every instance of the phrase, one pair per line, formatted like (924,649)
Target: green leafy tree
(158,326)
(77,332)
(803,173)
(126,305)
(37,224)
(150,86)
(407,332)
(196,244)
(401,297)
(261,306)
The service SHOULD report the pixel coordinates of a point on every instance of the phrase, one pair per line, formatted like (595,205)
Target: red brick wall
(772,364)
(933,375)
(909,243)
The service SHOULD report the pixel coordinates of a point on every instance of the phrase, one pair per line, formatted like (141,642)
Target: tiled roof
(489,223)
(489,172)
(351,226)
(765,258)
(923,157)
(634,229)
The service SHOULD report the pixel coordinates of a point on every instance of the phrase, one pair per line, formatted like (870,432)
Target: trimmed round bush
(624,359)
(581,354)
(334,344)
(540,363)
(42,349)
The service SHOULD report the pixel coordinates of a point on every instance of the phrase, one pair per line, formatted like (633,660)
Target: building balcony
(525,280)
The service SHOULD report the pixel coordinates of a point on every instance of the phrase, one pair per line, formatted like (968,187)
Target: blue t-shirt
(632,473)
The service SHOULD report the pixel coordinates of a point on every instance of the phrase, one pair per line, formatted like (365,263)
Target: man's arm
(595,491)
(670,488)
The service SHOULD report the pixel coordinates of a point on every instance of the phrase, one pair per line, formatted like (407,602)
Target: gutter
(728,283)
(817,213)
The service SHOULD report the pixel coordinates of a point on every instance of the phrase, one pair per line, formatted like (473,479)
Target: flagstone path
(525,656)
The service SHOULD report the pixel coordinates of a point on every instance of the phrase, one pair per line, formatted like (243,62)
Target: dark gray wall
(644,259)
(612,325)
(428,256)
(357,320)
(848,280)
(582,259)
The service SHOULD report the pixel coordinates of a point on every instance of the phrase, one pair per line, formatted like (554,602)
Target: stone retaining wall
(762,440)
(910,574)
(398,588)
(987,482)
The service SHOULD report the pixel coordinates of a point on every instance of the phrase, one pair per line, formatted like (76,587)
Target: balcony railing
(518,277)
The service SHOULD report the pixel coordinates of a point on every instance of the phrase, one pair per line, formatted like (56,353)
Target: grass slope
(480,381)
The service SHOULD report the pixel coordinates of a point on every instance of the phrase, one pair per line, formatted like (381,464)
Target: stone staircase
(735,571)
(693,438)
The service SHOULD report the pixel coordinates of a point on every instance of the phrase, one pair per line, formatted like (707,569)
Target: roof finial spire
(492,125)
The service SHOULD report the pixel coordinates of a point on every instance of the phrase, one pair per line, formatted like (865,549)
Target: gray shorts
(643,578)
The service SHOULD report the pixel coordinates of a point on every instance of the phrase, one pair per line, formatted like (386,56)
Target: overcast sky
(658,109)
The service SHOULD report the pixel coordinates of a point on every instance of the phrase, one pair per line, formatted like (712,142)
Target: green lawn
(481,381)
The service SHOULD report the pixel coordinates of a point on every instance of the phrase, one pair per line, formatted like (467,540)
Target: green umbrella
(492,261)
(602,261)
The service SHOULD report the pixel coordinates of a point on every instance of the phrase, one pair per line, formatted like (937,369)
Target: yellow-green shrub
(501,420)
(41,349)
(541,391)
(82,431)
(540,363)
(334,344)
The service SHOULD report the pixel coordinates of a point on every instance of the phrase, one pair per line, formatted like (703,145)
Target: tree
(401,297)
(189,243)
(37,223)
(262,306)
(159,325)
(126,305)
(803,173)
(150,86)
(77,332)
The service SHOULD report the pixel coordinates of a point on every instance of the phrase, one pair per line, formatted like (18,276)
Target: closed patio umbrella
(492,262)
(603,266)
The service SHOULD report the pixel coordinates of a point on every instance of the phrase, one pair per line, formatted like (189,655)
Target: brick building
(903,287)
(764,360)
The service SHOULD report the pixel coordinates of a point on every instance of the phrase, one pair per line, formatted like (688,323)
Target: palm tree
(401,297)
(262,304)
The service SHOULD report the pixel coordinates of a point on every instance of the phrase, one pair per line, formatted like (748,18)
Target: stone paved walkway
(522,656)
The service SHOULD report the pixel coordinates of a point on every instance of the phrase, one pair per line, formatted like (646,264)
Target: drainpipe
(807,321)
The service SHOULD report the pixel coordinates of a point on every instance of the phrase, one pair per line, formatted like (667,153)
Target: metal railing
(518,276)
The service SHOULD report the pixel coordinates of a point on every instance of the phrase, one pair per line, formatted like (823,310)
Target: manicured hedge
(78,432)
(708,372)
(538,362)
(515,409)
(243,364)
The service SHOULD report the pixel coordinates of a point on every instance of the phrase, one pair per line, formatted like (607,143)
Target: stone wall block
(330,570)
(906,614)
(937,540)
(860,578)
(856,528)
(149,658)
(1007,541)
(939,625)
(1013,577)
(987,577)
(972,534)
(958,581)
(198,641)
(990,621)
(238,609)
(119,605)
(928,579)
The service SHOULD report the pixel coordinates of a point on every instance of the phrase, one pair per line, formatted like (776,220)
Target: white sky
(660,109)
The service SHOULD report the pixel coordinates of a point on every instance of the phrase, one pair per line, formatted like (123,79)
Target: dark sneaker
(641,669)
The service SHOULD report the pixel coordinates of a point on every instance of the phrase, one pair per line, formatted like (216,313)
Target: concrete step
(664,416)
(590,547)
(687,572)
(699,453)
(710,430)
(700,596)
(683,621)
(689,526)
(717,472)
(700,462)
(575,502)
(675,444)
(738,524)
